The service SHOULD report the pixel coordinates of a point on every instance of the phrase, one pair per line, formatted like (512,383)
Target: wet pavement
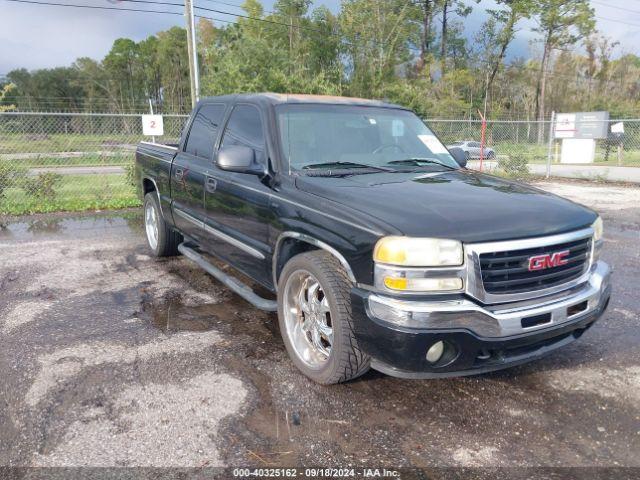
(112,358)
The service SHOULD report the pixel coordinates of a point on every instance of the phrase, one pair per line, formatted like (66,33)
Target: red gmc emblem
(548,260)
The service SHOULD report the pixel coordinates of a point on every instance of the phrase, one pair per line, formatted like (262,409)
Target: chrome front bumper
(503,320)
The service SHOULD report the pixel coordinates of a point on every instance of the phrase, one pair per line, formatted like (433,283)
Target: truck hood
(463,205)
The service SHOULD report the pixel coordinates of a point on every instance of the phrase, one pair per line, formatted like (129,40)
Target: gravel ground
(112,358)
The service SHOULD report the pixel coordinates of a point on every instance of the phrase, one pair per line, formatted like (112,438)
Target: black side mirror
(238,158)
(459,156)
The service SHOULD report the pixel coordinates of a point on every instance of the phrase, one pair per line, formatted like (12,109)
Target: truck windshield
(323,136)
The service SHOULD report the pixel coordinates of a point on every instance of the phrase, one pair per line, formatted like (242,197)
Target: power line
(238,15)
(237,6)
(617,21)
(93,7)
(117,9)
(615,6)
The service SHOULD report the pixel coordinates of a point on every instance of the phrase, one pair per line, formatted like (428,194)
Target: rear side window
(245,128)
(204,130)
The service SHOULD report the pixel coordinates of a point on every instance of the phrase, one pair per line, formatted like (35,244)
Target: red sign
(548,260)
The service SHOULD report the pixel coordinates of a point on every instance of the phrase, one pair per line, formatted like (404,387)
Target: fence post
(482,137)
(550,144)
(620,154)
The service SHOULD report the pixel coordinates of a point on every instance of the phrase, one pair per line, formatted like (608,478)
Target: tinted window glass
(245,128)
(204,130)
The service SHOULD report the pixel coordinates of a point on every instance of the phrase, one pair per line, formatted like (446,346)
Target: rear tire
(315,318)
(161,238)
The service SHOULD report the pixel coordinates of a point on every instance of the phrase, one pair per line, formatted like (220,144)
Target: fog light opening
(435,352)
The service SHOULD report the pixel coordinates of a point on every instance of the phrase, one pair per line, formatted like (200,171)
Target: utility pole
(550,145)
(193,54)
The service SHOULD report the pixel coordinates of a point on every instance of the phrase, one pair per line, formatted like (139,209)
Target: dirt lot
(111,358)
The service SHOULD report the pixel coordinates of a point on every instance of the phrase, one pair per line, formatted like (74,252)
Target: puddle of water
(174,317)
(235,316)
(71,225)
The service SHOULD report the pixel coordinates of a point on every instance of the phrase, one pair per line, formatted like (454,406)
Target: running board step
(236,285)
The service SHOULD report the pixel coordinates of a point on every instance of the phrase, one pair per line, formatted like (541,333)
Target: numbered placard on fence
(152,125)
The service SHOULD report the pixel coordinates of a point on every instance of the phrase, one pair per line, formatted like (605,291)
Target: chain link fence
(524,148)
(53,161)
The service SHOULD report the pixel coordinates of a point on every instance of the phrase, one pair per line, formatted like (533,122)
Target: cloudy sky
(37,36)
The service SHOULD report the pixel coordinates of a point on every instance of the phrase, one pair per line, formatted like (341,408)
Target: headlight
(415,265)
(598,229)
(418,252)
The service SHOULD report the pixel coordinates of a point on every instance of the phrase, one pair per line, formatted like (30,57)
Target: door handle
(211,184)
(179,173)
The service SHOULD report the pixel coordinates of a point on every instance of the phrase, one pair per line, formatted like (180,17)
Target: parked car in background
(471,149)
(379,249)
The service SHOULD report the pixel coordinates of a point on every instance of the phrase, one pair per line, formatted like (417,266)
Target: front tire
(161,238)
(316,323)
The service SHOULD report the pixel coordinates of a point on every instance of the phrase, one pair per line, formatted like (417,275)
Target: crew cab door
(190,167)
(237,204)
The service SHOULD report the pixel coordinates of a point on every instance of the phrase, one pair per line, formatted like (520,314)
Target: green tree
(561,23)
(462,9)
(377,35)
(123,67)
(52,89)
(150,71)
(502,24)
(174,65)
(7,102)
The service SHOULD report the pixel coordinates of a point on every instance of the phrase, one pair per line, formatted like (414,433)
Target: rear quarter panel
(154,163)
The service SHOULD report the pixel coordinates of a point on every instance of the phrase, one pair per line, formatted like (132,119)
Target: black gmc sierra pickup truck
(381,248)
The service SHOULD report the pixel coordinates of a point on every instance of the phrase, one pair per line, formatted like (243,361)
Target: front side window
(245,128)
(204,130)
(315,135)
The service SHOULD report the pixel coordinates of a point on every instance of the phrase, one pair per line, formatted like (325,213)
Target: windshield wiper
(420,161)
(346,165)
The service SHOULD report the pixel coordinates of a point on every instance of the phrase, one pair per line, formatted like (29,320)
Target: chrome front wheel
(307,318)
(316,321)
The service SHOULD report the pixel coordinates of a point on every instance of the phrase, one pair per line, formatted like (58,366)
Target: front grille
(508,271)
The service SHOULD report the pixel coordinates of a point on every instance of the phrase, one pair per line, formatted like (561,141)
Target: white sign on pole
(617,127)
(566,125)
(152,125)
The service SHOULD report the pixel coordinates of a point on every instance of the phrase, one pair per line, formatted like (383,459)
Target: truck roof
(291,98)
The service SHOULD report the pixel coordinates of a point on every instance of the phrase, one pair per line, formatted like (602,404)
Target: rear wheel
(314,313)
(162,239)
